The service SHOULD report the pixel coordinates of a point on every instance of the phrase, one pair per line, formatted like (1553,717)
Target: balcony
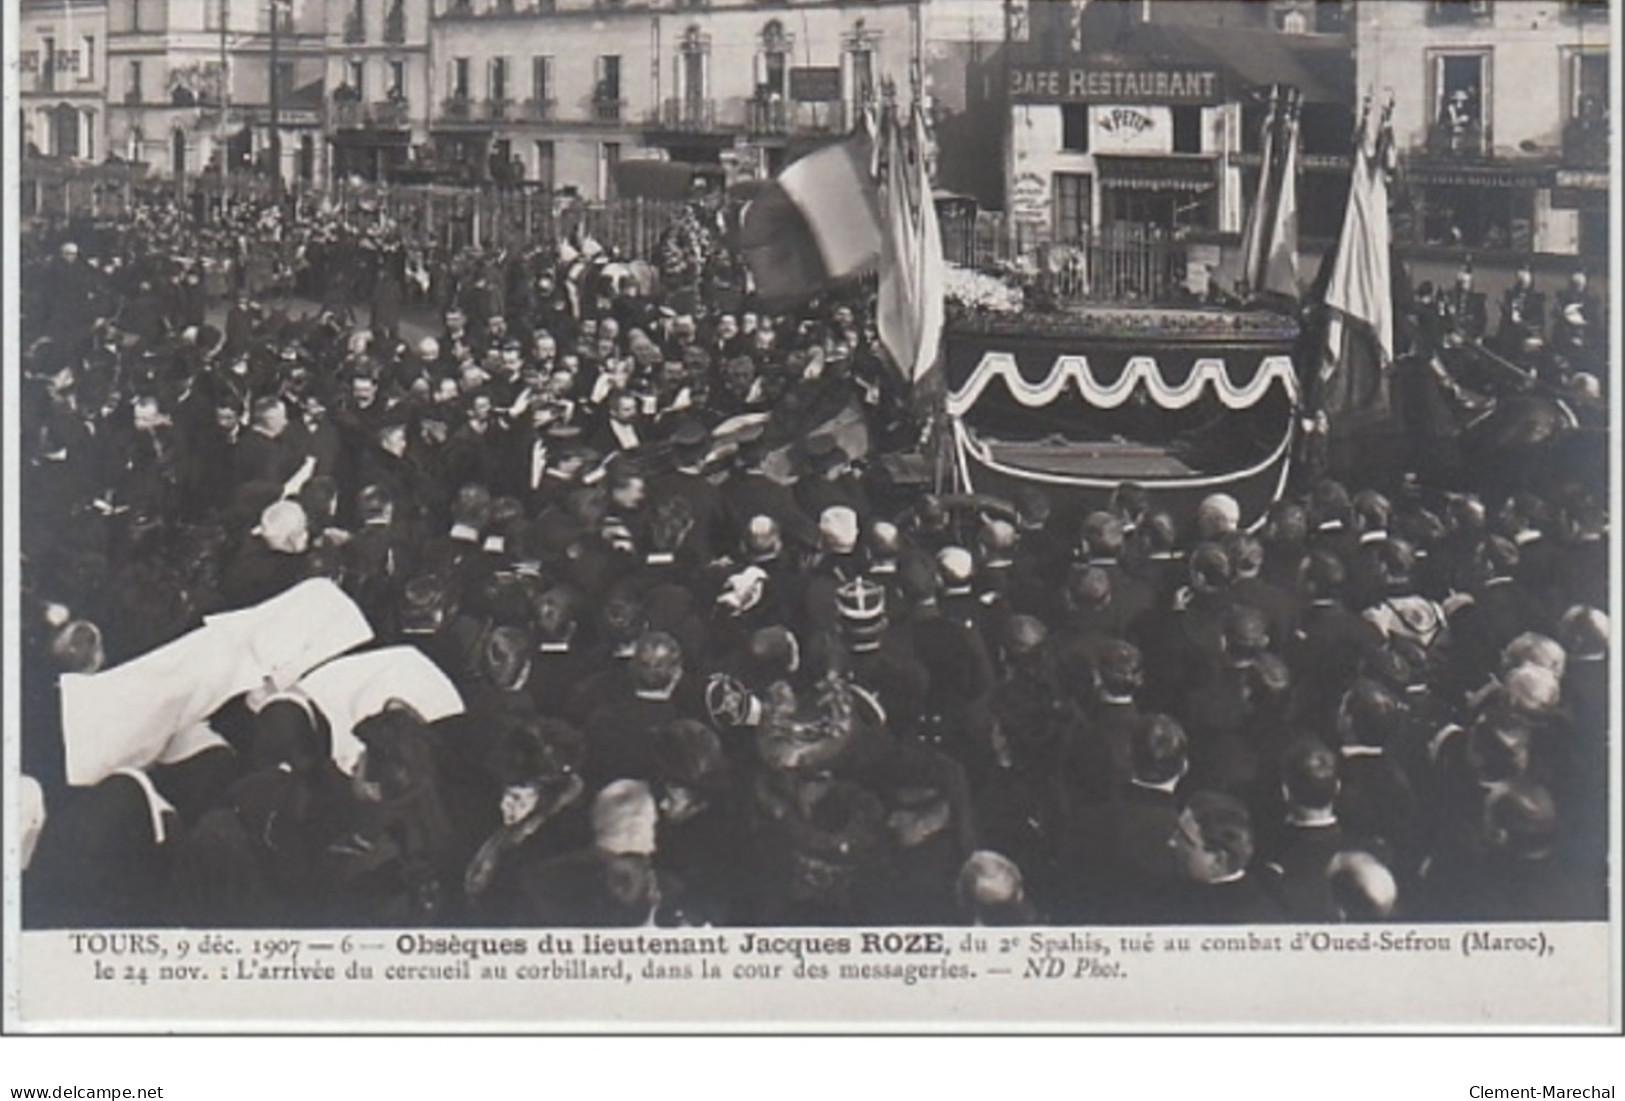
(766,118)
(457,109)
(474,9)
(132,97)
(395,25)
(347,114)
(608,110)
(390,114)
(538,110)
(688,116)
(499,109)
(355,26)
(46,80)
(1473,143)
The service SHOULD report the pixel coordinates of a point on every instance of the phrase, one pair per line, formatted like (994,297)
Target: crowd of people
(719,666)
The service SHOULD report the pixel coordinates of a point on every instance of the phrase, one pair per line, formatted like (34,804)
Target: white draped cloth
(352,688)
(129,716)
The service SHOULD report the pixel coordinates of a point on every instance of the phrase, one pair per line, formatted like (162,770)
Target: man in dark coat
(613,883)
(1376,797)
(269,451)
(1301,846)
(1120,864)
(1221,883)
(621,729)
(710,534)
(750,493)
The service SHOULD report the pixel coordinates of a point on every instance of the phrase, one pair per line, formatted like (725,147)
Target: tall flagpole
(276,96)
(224,136)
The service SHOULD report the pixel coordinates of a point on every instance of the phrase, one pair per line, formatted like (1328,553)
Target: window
(544,164)
(693,55)
(284,78)
(397,79)
(135,16)
(1461,99)
(1075,127)
(355,22)
(1463,216)
(1295,22)
(773,73)
(1073,192)
(459,77)
(47,73)
(1597,8)
(1331,16)
(1158,210)
(1585,136)
(1588,83)
(541,79)
(498,79)
(1460,11)
(87,57)
(357,78)
(132,88)
(863,75)
(1187,129)
(607,79)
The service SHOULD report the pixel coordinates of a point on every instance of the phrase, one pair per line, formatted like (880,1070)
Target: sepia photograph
(860,512)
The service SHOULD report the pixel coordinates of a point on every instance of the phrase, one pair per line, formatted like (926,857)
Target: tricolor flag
(1256,227)
(913,275)
(816,224)
(1359,347)
(1269,240)
(1281,258)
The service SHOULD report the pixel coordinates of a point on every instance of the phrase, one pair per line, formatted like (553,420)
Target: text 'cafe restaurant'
(1171,147)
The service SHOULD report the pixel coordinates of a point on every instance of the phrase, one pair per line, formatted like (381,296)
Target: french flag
(815,225)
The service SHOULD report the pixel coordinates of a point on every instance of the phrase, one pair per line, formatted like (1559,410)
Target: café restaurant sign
(1164,86)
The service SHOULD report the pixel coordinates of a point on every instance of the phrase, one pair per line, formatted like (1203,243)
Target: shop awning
(1157,173)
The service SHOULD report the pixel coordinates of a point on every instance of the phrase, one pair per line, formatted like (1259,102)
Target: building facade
(560,92)
(377,83)
(1147,116)
(190,84)
(1501,113)
(61,57)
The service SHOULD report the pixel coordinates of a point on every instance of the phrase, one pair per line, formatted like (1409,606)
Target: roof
(1323,71)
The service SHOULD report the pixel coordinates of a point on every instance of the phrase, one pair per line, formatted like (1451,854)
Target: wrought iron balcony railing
(1467,143)
(538,110)
(767,117)
(689,115)
(391,114)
